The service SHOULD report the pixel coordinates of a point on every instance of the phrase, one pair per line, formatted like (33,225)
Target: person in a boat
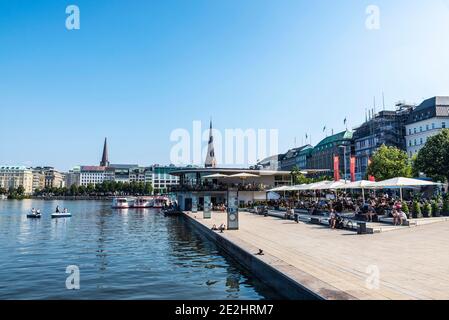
(38,211)
(57,209)
(33,211)
(65,210)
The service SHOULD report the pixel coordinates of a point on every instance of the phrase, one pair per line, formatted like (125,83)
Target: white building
(92,175)
(16,176)
(427,120)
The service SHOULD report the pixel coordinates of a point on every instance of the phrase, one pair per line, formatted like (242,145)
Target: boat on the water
(33,216)
(160,202)
(120,203)
(61,215)
(142,203)
(3,197)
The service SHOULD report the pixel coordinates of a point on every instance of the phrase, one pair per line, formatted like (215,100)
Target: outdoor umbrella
(363,184)
(401,183)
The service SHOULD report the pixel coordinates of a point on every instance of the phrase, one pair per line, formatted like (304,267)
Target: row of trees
(105,188)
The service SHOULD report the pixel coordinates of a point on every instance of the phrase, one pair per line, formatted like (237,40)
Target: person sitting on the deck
(214,227)
(222,228)
(395,215)
(333,219)
(402,217)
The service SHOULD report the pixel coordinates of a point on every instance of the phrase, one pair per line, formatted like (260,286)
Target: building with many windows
(296,157)
(16,176)
(385,128)
(322,155)
(426,120)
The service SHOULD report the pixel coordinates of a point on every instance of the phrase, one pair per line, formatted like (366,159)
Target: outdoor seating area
(348,205)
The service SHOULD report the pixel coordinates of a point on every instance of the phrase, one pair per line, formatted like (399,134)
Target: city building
(426,120)
(38,179)
(296,157)
(270,163)
(163,179)
(73,177)
(322,155)
(92,175)
(16,176)
(385,128)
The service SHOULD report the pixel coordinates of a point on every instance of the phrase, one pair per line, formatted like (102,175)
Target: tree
(20,190)
(388,163)
(435,209)
(3,190)
(433,158)
(417,210)
(298,177)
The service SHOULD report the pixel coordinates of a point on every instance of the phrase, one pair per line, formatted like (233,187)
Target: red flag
(336,168)
(352,168)
(371,178)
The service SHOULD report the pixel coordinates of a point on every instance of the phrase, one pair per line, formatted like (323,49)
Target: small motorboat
(142,203)
(34,216)
(61,215)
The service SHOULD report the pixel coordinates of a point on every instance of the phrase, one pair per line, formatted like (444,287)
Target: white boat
(34,216)
(120,203)
(142,202)
(3,197)
(160,202)
(61,215)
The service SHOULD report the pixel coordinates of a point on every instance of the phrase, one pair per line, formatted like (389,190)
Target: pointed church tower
(105,158)
(210,158)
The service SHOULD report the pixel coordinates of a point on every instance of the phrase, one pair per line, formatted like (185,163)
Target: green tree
(405,208)
(427,210)
(3,190)
(433,158)
(298,177)
(20,190)
(388,163)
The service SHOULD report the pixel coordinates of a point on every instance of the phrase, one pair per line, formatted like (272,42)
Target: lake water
(131,254)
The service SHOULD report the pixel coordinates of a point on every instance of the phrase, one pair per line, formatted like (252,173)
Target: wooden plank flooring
(413,263)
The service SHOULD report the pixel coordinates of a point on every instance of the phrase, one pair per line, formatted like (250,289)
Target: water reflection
(122,254)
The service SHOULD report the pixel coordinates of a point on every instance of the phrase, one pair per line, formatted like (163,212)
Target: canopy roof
(363,184)
(244,175)
(402,182)
(216,175)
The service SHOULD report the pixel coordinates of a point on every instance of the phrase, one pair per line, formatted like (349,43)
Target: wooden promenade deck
(412,263)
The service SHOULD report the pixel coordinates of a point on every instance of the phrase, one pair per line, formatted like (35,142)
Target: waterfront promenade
(412,263)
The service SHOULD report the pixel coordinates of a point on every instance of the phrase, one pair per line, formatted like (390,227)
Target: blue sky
(136,70)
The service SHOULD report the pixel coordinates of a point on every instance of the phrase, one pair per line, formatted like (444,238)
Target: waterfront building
(73,177)
(92,175)
(296,157)
(270,163)
(15,176)
(38,179)
(385,128)
(193,182)
(426,120)
(322,155)
(53,178)
(163,179)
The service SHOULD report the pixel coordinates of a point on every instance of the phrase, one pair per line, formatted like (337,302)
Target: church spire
(210,158)
(105,158)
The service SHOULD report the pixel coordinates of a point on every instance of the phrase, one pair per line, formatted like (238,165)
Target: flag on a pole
(324,129)
(344,121)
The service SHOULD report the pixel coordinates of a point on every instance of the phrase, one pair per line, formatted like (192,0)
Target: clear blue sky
(139,69)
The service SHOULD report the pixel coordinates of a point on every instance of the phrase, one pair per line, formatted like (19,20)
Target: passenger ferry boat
(159,202)
(142,202)
(120,203)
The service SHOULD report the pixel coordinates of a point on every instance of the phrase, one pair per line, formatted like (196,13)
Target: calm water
(131,254)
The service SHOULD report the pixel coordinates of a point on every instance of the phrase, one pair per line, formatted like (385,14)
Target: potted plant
(417,210)
(427,210)
(435,209)
(446,207)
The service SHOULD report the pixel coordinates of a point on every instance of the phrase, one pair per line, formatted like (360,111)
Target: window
(414,130)
(421,141)
(443,125)
(433,125)
(415,142)
(427,127)
(420,129)
(409,132)
(410,143)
